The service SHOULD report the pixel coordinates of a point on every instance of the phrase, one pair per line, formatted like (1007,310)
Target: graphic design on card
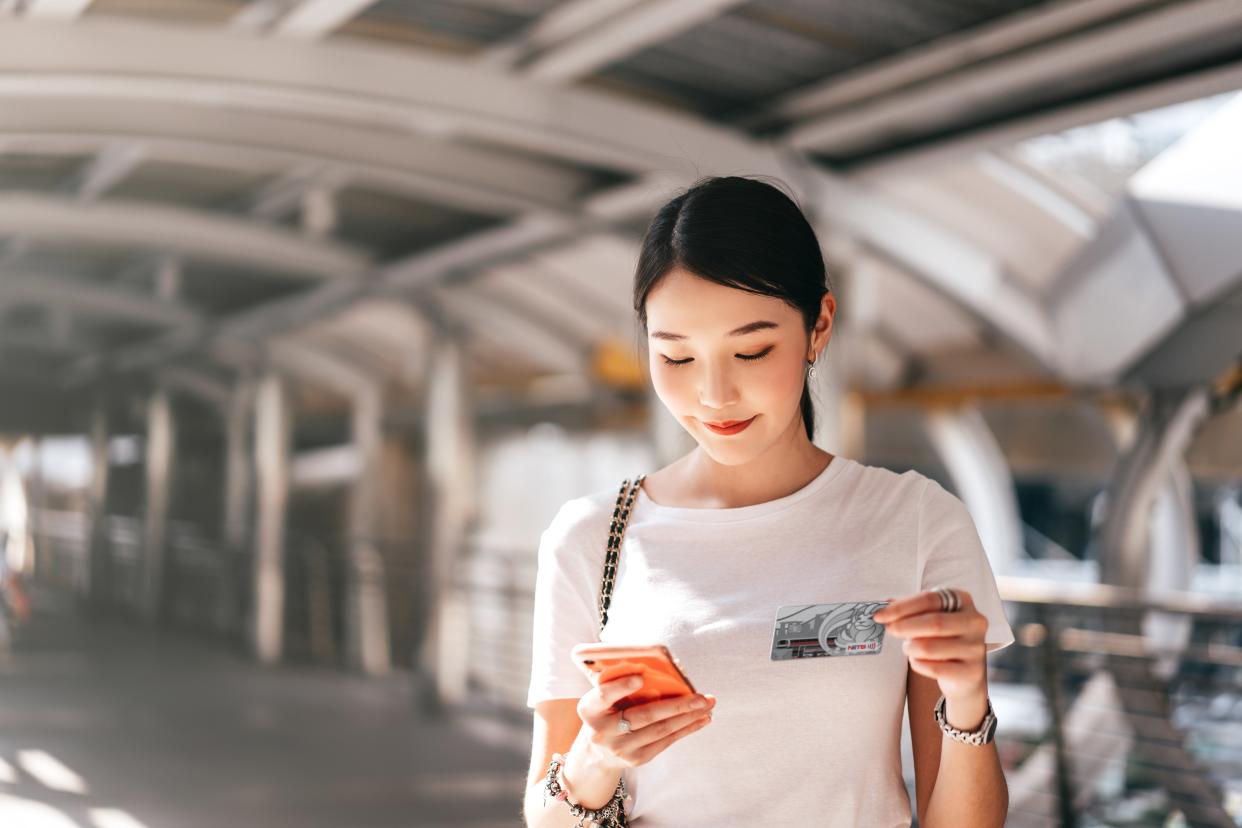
(813,630)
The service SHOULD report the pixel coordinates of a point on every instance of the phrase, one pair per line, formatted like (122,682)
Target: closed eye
(747,357)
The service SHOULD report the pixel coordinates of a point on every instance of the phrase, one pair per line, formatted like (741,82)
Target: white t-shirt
(808,741)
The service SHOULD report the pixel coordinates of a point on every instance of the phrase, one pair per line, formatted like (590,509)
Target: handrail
(1026,590)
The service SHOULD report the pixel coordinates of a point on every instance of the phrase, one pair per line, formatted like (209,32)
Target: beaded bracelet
(611,815)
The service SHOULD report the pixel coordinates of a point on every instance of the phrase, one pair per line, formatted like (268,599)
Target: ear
(823,325)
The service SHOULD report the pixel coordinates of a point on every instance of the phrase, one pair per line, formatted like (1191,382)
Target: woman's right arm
(596,753)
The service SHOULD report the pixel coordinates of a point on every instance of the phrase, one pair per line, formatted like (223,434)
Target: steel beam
(313,19)
(89,299)
(613,38)
(966,143)
(58,10)
(190,233)
(1011,33)
(926,106)
(411,92)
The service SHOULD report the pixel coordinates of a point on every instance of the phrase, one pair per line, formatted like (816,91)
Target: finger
(612,691)
(939,624)
(910,605)
(921,602)
(649,752)
(619,688)
(943,649)
(647,714)
(640,737)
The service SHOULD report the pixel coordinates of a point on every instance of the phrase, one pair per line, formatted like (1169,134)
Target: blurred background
(313,312)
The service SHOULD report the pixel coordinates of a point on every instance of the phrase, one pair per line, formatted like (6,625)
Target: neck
(789,465)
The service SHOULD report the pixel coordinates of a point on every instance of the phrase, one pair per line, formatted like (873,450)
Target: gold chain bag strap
(620,519)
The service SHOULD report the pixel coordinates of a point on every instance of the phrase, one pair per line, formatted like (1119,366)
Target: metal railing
(1137,693)
(207,587)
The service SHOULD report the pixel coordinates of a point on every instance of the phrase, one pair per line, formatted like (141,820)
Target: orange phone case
(662,677)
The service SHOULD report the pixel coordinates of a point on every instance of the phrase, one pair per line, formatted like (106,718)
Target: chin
(728,451)
(729,458)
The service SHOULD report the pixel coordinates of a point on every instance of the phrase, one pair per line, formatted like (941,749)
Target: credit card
(816,630)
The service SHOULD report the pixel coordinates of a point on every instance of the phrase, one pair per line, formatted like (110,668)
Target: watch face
(991,731)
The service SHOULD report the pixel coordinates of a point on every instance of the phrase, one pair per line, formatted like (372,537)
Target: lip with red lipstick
(729,426)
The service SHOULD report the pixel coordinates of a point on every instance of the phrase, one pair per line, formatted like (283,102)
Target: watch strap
(982,735)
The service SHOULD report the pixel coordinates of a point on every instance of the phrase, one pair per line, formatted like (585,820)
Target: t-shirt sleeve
(951,555)
(566,588)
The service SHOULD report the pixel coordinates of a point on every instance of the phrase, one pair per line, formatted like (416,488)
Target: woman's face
(710,364)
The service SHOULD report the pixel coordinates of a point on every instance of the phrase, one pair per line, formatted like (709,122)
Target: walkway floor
(112,725)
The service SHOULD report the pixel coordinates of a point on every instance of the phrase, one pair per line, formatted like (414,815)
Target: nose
(716,389)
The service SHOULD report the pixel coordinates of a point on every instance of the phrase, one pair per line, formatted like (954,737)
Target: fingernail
(699,703)
(634,682)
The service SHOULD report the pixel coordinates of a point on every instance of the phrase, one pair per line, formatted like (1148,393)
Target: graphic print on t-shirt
(813,630)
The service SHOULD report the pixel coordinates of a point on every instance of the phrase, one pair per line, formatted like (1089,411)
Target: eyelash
(748,358)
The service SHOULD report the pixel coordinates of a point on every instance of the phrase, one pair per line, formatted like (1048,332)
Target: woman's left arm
(956,784)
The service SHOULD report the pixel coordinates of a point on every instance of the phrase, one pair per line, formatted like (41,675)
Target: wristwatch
(981,735)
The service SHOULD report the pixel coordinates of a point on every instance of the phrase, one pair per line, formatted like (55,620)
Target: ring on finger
(950,601)
(623,724)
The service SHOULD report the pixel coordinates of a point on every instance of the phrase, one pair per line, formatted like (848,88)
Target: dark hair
(742,233)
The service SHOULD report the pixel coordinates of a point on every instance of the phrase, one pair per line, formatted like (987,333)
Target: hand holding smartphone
(662,710)
(662,677)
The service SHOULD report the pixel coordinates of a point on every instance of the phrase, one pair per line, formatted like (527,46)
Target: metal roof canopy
(513,120)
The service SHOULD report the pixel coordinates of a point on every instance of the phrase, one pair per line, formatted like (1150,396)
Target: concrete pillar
(1175,551)
(99,555)
(238,489)
(1149,538)
(367,634)
(450,468)
(981,477)
(1143,470)
(272,437)
(159,457)
(1229,516)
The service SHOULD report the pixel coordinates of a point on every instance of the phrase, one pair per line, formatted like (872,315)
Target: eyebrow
(761,325)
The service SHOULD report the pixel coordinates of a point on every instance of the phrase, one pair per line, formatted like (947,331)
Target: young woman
(735,307)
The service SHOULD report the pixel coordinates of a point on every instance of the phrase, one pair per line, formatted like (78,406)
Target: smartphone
(662,675)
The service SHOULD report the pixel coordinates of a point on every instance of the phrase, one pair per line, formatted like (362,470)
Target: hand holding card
(945,646)
(815,630)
